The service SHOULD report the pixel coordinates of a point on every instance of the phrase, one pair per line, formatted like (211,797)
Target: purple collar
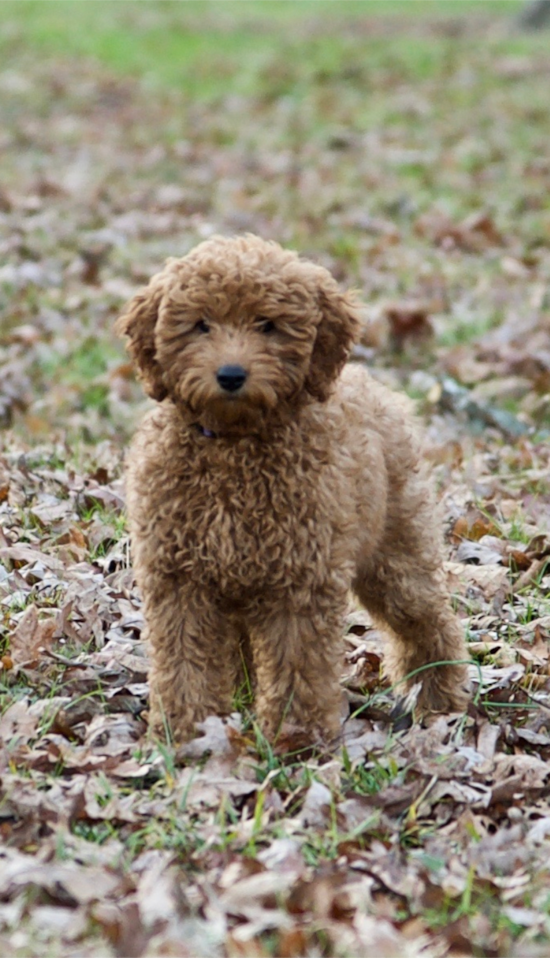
(206,432)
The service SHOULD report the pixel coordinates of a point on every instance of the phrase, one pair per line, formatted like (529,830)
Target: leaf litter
(427,840)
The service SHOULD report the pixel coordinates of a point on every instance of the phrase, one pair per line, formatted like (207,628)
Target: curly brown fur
(256,507)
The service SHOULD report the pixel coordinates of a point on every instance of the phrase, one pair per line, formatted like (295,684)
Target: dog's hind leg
(403,587)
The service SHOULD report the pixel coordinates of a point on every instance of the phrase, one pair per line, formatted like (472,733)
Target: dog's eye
(265,325)
(202,326)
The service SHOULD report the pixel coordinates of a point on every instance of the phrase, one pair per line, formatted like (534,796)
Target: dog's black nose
(231,378)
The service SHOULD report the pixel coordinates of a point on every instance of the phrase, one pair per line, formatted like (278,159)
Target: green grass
(88,360)
(361,780)
(462,331)
(211,48)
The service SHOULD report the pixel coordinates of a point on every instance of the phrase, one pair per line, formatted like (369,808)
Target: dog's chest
(250,520)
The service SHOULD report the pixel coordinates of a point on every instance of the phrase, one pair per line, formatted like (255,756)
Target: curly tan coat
(270,481)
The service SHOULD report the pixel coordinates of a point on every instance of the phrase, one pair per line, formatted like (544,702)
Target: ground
(407,152)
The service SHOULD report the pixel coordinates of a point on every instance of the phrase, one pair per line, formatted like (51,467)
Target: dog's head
(239,328)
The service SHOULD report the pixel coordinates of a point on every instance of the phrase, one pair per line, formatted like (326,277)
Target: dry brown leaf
(17,722)
(474,525)
(408,321)
(31,637)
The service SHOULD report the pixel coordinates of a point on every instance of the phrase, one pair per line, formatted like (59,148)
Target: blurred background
(404,145)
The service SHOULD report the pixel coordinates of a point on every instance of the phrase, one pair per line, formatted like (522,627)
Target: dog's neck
(233,432)
(230,433)
(261,427)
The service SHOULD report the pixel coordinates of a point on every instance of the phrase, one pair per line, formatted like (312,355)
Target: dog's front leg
(297,659)
(194,656)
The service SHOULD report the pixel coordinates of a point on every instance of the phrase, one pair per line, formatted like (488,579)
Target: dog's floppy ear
(138,322)
(336,333)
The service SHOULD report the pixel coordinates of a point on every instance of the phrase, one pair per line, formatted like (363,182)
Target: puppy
(269,481)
